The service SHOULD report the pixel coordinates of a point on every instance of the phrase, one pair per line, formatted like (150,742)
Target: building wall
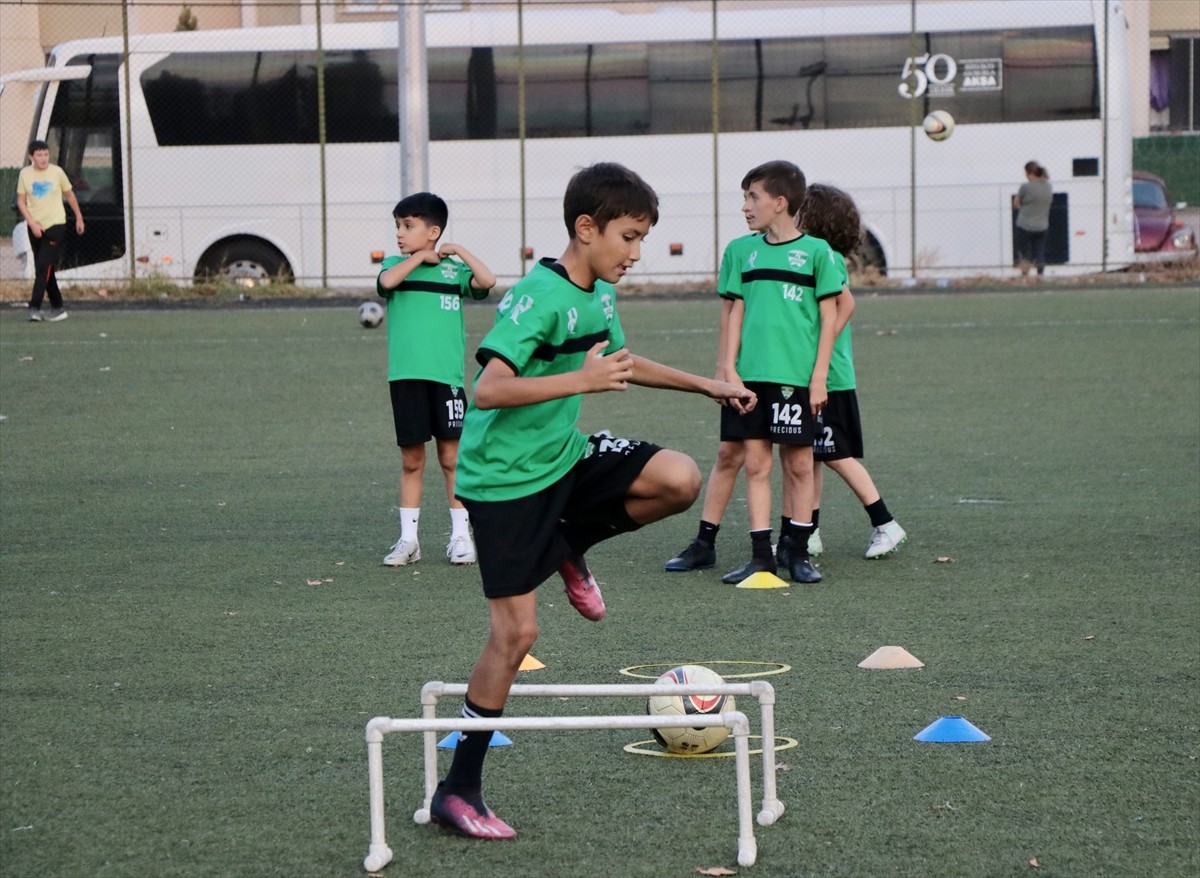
(20,48)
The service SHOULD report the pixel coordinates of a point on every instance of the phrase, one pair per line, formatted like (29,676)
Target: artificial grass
(177,699)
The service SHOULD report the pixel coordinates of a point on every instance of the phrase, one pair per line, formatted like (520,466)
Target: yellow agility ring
(771,668)
(639,747)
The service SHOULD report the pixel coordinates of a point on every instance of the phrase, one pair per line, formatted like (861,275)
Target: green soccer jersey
(545,325)
(426,336)
(780,284)
(729,276)
(841,364)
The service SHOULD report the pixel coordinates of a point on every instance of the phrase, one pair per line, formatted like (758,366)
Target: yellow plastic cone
(529,663)
(887,658)
(762,579)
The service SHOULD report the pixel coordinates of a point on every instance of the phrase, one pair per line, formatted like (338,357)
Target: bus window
(85,141)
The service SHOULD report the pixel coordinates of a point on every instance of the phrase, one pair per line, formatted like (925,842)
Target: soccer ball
(695,740)
(370,314)
(938,125)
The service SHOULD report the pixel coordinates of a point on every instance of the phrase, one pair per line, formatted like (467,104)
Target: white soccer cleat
(404,552)
(885,539)
(461,550)
(815,546)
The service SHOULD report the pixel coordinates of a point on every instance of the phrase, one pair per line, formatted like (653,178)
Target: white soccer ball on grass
(690,740)
(370,314)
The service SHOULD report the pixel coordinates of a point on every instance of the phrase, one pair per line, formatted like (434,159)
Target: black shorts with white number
(425,409)
(839,430)
(518,542)
(782,416)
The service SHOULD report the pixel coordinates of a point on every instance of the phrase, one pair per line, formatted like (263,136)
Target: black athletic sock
(785,527)
(466,771)
(760,545)
(708,532)
(816,518)
(879,513)
(800,535)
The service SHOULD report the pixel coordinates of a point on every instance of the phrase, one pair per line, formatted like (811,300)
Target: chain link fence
(269,141)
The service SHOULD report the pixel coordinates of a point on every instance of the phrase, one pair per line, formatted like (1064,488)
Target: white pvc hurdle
(772,807)
(379,854)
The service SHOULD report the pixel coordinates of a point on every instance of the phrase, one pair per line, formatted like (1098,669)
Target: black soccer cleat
(733,577)
(698,555)
(783,552)
(802,570)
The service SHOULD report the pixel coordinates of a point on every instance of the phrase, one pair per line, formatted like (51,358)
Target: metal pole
(1106,109)
(912,150)
(321,135)
(128,142)
(413,98)
(521,125)
(716,130)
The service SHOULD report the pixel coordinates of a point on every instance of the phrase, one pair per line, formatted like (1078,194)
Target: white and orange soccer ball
(690,741)
(938,125)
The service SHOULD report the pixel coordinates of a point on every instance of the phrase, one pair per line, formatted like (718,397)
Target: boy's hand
(430,257)
(600,372)
(449,250)
(738,395)
(818,396)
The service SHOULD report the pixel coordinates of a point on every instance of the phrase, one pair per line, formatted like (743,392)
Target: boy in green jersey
(777,336)
(424,289)
(540,492)
(832,214)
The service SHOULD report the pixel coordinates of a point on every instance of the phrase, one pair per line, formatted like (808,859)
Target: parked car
(1158,234)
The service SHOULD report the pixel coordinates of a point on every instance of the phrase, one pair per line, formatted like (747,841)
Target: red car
(1158,234)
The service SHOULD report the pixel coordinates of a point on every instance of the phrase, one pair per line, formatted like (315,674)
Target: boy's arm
(845,310)
(498,386)
(723,337)
(391,278)
(733,341)
(23,208)
(818,395)
(74,202)
(650,373)
(482,277)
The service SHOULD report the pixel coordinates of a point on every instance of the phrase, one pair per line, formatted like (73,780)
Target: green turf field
(195,626)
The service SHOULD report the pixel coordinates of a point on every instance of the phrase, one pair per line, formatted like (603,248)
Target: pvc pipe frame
(379,854)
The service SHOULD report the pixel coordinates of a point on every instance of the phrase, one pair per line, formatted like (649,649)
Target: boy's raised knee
(685,483)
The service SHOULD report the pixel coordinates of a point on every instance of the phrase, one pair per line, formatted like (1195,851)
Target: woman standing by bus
(1033,202)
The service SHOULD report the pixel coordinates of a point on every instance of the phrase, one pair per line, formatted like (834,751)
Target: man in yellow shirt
(41,189)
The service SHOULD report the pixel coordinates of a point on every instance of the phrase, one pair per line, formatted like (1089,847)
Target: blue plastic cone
(951,730)
(499,739)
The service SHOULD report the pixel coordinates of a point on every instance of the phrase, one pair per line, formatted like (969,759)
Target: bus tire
(247,261)
(869,258)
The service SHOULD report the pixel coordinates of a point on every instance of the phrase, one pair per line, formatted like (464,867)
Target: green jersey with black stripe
(426,336)
(545,325)
(781,285)
(841,364)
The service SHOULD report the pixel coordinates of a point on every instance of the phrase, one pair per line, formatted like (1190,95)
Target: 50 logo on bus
(932,73)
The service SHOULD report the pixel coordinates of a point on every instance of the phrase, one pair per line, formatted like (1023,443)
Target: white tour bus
(226,160)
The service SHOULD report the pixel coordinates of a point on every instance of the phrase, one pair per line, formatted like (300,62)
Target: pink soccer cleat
(456,814)
(581,588)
